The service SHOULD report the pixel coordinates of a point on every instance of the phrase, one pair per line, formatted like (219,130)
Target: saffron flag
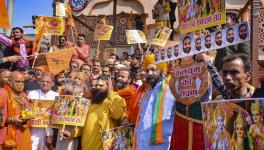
(54,25)
(4,21)
(38,39)
(59,60)
(69,19)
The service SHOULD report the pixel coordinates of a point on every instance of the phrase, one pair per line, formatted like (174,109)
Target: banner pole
(63,129)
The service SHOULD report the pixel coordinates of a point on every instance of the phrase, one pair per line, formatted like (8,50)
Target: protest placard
(41,110)
(194,15)
(190,44)
(233,124)
(70,110)
(54,25)
(159,36)
(189,81)
(135,36)
(103,32)
(118,138)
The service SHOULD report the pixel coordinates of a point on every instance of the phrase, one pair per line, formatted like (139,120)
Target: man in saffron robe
(19,45)
(18,130)
(156,113)
(126,90)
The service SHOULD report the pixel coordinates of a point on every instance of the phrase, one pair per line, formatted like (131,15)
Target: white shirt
(38,135)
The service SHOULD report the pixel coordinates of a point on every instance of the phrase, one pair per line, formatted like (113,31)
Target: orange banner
(4,21)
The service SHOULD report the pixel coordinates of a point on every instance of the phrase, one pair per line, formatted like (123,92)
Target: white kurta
(38,135)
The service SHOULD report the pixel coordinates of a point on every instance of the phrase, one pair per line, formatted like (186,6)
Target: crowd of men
(123,90)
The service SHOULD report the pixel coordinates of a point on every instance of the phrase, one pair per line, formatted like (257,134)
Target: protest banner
(118,138)
(190,44)
(159,36)
(54,25)
(135,36)
(189,81)
(41,110)
(70,110)
(194,15)
(233,124)
(149,27)
(103,32)
(4,23)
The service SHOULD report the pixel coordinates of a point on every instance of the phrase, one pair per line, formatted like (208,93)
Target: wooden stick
(72,34)
(98,45)
(33,55)
(63,129)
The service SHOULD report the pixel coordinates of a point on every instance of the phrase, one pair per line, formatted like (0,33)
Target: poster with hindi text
(41,110)
(70,110)
(234,124)
(135,36)
(195,15)
(118,138)
(190,81)
(54,25)
(103,32)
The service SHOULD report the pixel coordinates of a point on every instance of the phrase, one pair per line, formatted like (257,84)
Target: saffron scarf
(156,131)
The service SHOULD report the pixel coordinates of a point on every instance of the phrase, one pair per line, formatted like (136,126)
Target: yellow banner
(103,32)
(135,36)
(54,25)
(69,110)
(194,16)
(4,21)
(41,110)
(59,60)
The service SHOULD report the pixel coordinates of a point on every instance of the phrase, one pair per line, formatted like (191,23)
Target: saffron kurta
(101,117)
(145,120)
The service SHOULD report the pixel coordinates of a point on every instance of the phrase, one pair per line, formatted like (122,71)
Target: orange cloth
(128,94)
(17,138)
(135,107)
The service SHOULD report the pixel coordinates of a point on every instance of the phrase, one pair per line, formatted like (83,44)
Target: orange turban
(149,59)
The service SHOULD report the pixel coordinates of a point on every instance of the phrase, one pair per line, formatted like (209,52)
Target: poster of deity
(70,110)
(118,138)
(234,124)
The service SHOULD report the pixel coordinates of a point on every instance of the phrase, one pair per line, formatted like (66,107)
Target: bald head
(17,81)
(80,79)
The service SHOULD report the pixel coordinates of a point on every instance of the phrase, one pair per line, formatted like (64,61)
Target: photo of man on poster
(187,42)
(230,35)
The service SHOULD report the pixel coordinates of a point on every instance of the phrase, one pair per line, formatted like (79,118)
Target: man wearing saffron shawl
(156,113)
(18,135)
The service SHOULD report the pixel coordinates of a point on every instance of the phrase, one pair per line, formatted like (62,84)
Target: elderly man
(76,88)
(107,107)
(156,115)
(18,132)
(39,135)
(126,90)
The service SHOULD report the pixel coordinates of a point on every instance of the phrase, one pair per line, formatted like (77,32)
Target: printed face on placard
(162,54)
(187,44)
(169,52)
(230,35)
(242,31)
(176,50)
(156,56)
(198,44)
(218,38)
(208,41)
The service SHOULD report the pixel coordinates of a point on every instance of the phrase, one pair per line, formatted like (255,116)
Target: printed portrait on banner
(195,15)
(41,110)
(159,36)
(135,36)
(69,110)
(118,138)
(234,124)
